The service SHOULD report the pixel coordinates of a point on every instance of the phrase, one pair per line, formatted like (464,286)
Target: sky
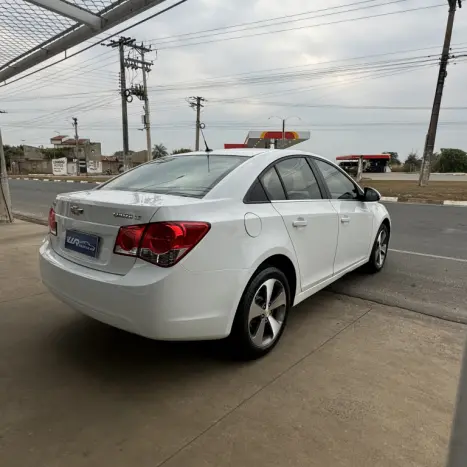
(359,75)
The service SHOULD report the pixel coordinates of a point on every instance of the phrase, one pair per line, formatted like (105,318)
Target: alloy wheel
(267,313)
(381,248)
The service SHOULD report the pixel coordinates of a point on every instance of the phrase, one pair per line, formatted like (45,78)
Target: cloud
(89,81)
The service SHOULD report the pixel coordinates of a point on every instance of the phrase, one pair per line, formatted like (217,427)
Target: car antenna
(202,126)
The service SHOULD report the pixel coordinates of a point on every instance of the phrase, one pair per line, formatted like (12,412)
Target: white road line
(455,203)
(427,255)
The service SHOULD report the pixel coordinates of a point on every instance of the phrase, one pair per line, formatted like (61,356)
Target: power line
(59,96)
(298,27)
(270,78)
(94,104)
(280,19)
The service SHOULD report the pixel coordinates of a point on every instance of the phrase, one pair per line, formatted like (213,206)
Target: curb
(29,218)
(394,199)
(54,180)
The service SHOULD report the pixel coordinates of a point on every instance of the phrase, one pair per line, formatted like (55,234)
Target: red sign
(364,156)
(234,145)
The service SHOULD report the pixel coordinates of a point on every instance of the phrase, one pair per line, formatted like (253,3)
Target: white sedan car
(212,245)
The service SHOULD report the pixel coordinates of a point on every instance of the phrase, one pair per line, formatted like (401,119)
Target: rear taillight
(161,243)
(52,222)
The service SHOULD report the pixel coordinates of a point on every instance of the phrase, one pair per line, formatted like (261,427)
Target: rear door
(311,221)
(355,217)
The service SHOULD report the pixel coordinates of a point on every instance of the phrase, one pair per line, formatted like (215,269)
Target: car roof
(246,152)
(232,152)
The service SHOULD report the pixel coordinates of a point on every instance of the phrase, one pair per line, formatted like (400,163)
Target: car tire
(379,251)
(261,315)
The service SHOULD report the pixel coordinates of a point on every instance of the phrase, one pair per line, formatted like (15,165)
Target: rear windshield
(183,175)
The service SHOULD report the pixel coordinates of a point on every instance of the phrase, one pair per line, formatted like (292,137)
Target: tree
(435,160)
(53,153)
(452,160)
(11,152)
(413,162)
(394,158)
(181,151)
(159,150)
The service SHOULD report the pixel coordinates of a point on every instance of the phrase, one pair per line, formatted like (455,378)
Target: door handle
(300,222)
(345,219)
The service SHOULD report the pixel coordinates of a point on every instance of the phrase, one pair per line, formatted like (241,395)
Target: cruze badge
(124,215)
(76,210)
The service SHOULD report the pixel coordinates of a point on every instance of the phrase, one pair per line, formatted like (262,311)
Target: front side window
(183,175)
(338,184)
(298,178)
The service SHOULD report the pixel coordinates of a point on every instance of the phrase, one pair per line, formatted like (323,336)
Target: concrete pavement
(353,383)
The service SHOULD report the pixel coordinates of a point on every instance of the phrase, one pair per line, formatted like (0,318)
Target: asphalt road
(426,268)
(35,197)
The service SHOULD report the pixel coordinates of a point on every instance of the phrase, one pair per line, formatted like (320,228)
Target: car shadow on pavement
(108,351)
(82,344)
(112,354)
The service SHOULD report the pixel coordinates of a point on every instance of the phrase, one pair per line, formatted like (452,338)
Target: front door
(355,217)
(311,221)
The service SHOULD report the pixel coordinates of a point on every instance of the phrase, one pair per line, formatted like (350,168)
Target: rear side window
(256,194)
(298,178)
(184,175)
(273,185)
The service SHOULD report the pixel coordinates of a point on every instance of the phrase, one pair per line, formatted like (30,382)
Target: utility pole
(147,117)
(142,92)
(120,44)
(431,135)
(75,126)
(6,215)
(197,103)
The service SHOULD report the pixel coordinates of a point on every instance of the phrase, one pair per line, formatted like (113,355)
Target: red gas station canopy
(364,156)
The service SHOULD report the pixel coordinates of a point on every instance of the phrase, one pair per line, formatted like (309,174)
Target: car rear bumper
(166,304)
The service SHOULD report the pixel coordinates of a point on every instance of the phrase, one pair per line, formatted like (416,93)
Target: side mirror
(370,195)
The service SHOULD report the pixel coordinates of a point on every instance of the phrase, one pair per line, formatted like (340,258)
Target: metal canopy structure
(263,139)
(33,31)
(267,139)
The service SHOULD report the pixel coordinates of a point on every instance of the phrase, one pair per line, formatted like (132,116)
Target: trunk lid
(88,223)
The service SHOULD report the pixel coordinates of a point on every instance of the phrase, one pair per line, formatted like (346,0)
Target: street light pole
(283,120)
